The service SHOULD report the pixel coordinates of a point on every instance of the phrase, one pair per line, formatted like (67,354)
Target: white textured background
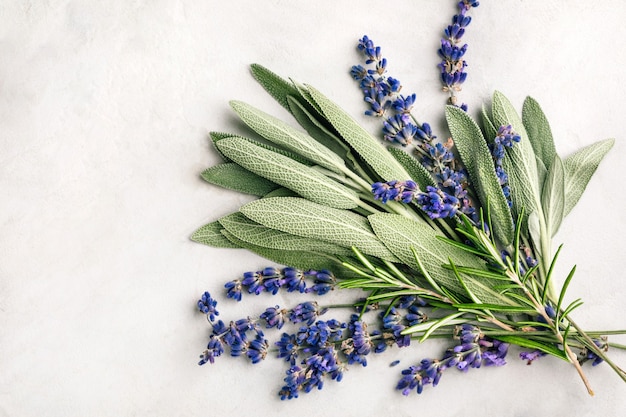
(104,112)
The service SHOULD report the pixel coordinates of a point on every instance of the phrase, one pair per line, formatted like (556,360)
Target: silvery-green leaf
(216,137)
(211,234)
(488,127)
(553,196)
(234,177)
(282,134)
(298,259)
(315,128)
(276,86)
(542,173)
(478,161)
(277,168)
(252,232)
(580,167)
(400,234)
(534,230)
(416,170)
(539,132)
(360,140)
(520,161)
(281,192)
(301,217)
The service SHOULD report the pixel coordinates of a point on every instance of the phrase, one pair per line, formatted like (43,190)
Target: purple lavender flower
(214,349)
(233,289)
(529,357)
(453,64)
(274,317)
(323,282)
(306,312)
(207,305)
(438,204)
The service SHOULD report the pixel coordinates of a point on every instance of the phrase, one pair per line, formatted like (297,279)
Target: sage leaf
(490,130)
(478,161)
(315,128)
(304,180)
(216,137)
(276,86)
(298,259)
(534,230)
(211,234)
(282,134)
(400,234)
(416,170)
(360,140)
(539,132)
(252,232)
(553,196)
(542,173)
(519,162)
(237,178)
(580,167)
(305,218)
(281,192)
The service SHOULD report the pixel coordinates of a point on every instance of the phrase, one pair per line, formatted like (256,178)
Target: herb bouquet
(443,238)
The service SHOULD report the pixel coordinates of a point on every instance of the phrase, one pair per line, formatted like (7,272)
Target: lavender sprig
(452,67)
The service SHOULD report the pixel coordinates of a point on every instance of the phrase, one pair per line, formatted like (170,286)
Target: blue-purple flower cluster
(434,202)
(453,64)
(319,349)
(243,337)
(382,96)
(505,138)
(271,280)
(474,350)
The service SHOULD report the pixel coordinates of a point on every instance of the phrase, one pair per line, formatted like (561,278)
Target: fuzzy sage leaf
(304,180)
(256,234)
(360,140)
(475,155)
(282,134)
(211,234)
(301,217)
(539,132)
(237,178)
(519,162)
(580,167)
(553,196)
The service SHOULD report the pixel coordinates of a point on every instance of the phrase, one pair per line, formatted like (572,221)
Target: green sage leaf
(553,196)
(315,128)
(519,162)
(478,161)
(301,217)
(490,130)
(276,86)
(235,177)
(254,233)
(360,140)
(211,234)
(580,167)
(282,170)
(282,134)
(400,234)
(539,132)
(216,137)
(298,259)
